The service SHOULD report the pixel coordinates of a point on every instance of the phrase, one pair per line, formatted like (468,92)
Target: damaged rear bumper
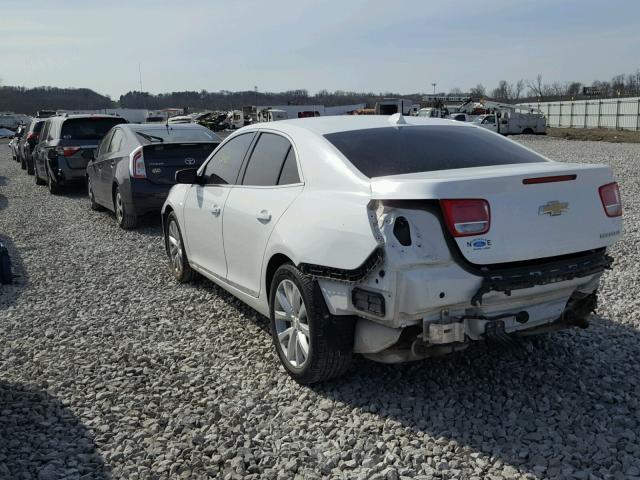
(518,278)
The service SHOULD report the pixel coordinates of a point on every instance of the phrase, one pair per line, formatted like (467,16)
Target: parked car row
(395,238)
(128,168)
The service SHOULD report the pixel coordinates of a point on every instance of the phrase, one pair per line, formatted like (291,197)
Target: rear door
(108,162)
(94,169)
(270,183)
(204,207)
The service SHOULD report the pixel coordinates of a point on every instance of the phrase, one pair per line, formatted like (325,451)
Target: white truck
(510,122)
(271,115)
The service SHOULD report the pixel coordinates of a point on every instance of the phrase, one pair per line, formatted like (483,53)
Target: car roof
(61,118)
(344,123)
(136,127)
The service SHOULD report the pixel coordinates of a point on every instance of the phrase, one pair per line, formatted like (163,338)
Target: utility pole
(434,88)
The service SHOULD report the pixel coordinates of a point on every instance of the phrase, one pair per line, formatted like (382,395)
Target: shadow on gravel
(570,404)
(9,293)
(41,438)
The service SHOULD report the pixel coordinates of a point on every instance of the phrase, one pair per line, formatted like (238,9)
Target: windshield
(379,152)
(88,128)
(155,135)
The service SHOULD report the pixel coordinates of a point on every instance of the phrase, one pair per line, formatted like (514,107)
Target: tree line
(29,100)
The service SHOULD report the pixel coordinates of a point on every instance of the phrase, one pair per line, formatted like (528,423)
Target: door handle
(263,216)
(215,210)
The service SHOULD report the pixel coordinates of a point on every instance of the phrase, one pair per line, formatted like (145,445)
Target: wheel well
(275,262)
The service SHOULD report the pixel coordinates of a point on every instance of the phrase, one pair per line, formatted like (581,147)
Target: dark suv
(65,145)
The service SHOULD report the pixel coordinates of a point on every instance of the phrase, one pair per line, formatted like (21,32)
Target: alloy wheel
(175,247)
(292,324)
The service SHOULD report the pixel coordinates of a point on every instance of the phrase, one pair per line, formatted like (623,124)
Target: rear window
(179,135)
(378,152)
(88,128)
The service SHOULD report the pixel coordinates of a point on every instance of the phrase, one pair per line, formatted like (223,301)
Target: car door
(270,184)
(39,151)
(204,206)
(94,169)
(107,165)
(490,123)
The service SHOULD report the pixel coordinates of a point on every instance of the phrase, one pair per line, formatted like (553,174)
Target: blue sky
(400,46)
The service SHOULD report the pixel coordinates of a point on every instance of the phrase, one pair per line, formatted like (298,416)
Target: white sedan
(396,238)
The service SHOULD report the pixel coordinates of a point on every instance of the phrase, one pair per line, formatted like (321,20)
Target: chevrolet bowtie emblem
(553,208)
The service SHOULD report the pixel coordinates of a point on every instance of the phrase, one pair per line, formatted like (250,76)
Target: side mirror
(188,176)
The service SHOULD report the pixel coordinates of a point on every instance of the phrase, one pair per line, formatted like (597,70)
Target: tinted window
(378,152)
(102,147)
(490,120)
(37,126)
(266,160)
(88,128)
(289,172)
(225,165)
(116,140)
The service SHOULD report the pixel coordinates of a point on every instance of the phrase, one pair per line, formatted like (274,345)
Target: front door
(204,207)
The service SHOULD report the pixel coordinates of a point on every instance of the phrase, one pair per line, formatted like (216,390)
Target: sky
(355,45)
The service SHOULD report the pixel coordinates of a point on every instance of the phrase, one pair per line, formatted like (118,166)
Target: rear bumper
(144,197)
(64,174)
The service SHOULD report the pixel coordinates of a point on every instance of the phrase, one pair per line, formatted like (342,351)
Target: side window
(225,165)
(116,141)
(45,132)
(266,160)
(289,172)
(102,148)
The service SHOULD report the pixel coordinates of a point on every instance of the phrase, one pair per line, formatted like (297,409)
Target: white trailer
(389,106)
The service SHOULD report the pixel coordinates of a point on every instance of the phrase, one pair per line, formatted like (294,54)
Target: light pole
(434,88)
(255,117)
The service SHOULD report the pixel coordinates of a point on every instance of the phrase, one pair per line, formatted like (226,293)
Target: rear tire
(124,220)
(23,163)
(38,180)
(313,345)
(92,199)
(178,262)
(52,185)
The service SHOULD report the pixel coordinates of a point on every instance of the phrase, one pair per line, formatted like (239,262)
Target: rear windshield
(378,152)
(179,135)
(88,128)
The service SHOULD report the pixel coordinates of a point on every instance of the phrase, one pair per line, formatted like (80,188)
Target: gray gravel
(108,368)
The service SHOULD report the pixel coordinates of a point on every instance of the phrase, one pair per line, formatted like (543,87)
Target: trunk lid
(528,221)
(163,160)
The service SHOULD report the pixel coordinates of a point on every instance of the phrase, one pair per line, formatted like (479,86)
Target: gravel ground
(110,369)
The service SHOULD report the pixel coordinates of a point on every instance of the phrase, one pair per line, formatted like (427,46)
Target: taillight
(610,196)
(466,217)
(136,164)
(67,151)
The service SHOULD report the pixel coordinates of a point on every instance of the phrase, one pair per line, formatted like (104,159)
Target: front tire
(178,262)
(313,345)
(124,219)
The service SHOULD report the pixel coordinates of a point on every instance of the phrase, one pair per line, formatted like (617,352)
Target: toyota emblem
(189,161)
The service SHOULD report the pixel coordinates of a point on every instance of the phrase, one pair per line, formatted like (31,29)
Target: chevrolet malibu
(395,238)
